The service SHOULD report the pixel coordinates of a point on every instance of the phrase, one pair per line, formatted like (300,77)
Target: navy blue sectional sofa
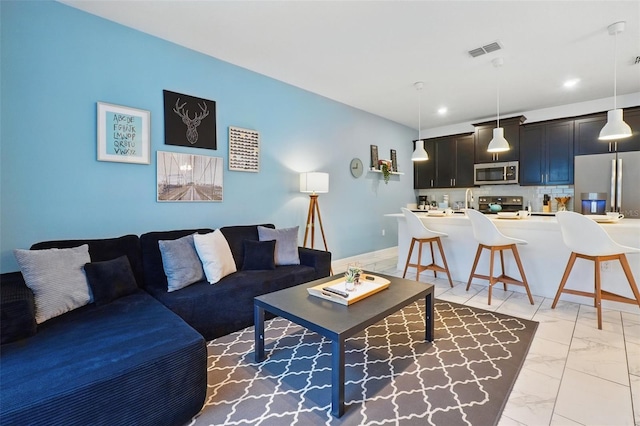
(140,359)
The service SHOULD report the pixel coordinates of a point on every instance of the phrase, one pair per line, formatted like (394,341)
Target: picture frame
(244,150)
(374,157)
(123,134)
(189,121)
(394,160)
(189,178)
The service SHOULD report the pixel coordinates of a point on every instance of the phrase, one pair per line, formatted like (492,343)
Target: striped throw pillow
(57,279)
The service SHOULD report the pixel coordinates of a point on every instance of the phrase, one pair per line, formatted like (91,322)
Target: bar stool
(490,238)
(588,240)
(421,234)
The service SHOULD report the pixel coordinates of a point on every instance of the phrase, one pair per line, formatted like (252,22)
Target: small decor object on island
(562,203)
(189,121)
(386,169)
(123,134)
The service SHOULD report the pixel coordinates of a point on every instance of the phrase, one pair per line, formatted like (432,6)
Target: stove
(509,204)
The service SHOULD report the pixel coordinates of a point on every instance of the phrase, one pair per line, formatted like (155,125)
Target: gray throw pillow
(286,244)
(181,263)
(57,279)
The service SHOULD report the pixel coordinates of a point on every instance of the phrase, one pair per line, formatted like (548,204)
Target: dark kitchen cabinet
(587,131)
(450,163)
(454,162)
(424,172)
(484,134)
(546,153)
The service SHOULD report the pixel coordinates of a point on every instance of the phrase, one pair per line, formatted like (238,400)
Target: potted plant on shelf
(385,168)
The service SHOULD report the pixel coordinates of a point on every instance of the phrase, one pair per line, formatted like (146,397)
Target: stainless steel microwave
(495,173)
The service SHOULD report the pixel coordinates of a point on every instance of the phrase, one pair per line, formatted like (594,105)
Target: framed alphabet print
(123,134)
(189,121)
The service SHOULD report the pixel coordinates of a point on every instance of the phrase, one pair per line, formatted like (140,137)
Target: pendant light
(419,154)
(615,128)
(498,143)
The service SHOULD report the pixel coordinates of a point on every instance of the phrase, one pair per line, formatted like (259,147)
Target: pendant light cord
(498,92)
(419,110)
(615,71)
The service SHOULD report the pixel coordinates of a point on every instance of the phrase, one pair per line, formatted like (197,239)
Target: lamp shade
(314,182)
(615,128)
(419,154)
(498,143)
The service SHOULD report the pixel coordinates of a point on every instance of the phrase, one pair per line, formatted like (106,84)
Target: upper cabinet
(587,130)
(484,134)
(546,153)
(450,163)
(424,172)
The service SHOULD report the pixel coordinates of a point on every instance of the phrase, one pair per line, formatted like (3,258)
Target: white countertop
(533,222)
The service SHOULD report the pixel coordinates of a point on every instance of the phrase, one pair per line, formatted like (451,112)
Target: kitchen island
(544,257)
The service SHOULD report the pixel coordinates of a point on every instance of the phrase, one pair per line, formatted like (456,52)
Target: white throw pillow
(215,255)
(57,279)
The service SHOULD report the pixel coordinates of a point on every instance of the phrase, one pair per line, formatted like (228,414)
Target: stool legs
(599,294)
(503,277)
(432,266)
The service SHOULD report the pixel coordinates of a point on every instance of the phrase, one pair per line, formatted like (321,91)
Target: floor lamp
(314,183)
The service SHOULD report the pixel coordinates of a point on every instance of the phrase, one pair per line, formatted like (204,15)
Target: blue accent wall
(57,62)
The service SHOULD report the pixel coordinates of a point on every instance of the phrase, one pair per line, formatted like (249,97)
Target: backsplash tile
(533,194)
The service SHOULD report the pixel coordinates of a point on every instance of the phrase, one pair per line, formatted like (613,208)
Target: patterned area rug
(393,376)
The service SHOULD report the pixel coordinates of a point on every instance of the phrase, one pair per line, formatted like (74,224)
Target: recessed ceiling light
(442,110)
(571,83)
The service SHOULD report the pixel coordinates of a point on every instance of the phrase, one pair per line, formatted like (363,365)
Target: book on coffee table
(369,284)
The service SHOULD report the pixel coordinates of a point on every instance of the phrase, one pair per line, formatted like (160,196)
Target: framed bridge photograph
(123,134)
(189,121)
(189,178)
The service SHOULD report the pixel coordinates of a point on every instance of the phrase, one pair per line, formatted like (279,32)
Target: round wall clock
(356,168)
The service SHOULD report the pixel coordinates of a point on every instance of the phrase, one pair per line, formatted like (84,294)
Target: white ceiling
(368,54)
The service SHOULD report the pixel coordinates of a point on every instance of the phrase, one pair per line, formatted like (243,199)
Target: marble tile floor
(574,373)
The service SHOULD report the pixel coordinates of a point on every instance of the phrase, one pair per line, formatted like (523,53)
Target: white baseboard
(372,261)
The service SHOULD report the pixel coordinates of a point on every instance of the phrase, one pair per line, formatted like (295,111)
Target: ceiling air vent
(491,47)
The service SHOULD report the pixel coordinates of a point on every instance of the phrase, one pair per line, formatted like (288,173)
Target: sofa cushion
(105,249)
(17,309)
(154,276)
(181,263)
(286,244)
(217,310)
(57,279)
(130,362)
(110,279)
(259,255)
(215,255)
(236,235)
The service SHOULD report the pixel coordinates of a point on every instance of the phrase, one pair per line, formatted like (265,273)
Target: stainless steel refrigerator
(619,180)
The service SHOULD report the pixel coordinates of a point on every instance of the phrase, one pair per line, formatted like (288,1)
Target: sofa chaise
(140,358)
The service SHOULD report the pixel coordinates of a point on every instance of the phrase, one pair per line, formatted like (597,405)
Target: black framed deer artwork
(189,121)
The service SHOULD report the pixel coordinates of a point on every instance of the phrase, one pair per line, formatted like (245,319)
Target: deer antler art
(192,123)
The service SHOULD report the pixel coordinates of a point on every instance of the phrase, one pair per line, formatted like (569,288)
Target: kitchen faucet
(468,193)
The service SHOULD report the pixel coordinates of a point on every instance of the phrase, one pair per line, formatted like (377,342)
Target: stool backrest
(485,231)
(585,236)
(416,228)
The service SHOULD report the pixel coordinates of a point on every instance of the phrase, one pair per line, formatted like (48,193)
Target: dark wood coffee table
(337,322)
